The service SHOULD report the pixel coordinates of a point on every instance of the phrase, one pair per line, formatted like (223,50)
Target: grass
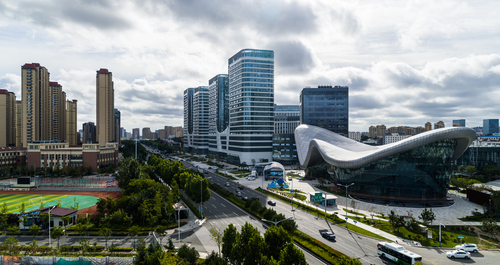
(332,218)
(14,201)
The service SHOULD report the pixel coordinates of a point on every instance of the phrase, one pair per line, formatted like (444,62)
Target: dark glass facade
(421,173)
(326,107)
(490,126)
(480,156)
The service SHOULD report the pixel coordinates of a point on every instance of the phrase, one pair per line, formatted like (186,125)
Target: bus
(398,254)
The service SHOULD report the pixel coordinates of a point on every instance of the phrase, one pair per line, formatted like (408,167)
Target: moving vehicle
(328,235)
(397,253)
(469,247)
(272,203)
(255,198)
(245,198)
(240,187)
(461,254)
(227,184)
(238,194)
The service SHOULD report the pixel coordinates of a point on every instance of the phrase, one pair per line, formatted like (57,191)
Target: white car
(468,247)
(227,184)
(460,254)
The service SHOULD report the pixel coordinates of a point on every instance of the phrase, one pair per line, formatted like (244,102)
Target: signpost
(318,197)
(461,237)
(429,234)
(355,222)
(346,222)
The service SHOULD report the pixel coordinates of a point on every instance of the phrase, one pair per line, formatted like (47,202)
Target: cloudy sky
(405,62)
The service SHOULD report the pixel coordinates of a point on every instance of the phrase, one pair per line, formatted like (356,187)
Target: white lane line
(235,213)
(223,205)
(226,215)
(214,206)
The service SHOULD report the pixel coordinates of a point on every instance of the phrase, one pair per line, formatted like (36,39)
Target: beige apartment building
(7,118)
(438,125)
(57,120)
(428,126)
(105,106)
(19,123)
(71,121)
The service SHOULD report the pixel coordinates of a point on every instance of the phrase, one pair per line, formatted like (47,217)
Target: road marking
(222,222)
(214,206)
(226,215)
(235,213)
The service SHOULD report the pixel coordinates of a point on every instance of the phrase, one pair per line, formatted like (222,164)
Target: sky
(405,62)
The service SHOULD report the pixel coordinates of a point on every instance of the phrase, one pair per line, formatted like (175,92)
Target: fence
(35,260)
(84,182)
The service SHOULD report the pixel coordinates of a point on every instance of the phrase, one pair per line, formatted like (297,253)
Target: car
(240,187)
(227,184)
(469,247)
(328,235)
(461,254)
(272,203)
(215,168)
(245,198)
(251,179)
(238,193)
(255,198)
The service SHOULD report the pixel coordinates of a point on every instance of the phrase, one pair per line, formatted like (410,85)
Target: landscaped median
(320,249)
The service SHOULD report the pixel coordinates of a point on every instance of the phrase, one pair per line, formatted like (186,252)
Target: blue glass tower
(490,126)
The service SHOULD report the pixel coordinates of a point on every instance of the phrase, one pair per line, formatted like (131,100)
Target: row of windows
(250,149)
(249,143)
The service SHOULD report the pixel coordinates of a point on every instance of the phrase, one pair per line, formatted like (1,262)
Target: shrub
(256,206)
(120,249)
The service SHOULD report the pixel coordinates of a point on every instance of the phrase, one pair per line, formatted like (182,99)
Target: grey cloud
(364,102)
(349,24)
(292,57)
(96,16)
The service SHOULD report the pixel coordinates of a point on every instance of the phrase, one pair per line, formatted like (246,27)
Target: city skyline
(404,63)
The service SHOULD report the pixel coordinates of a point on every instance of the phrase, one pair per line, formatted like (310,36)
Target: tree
(32,247)
(427,216)
(254,250)
(188,254)
(172,259)
(372,211)
(228,243)
(3,220)
(471,171)
(134,231)
(490,226)
(276,238)
(4,209)
(161,231)
(400,222)
(106,233)
(392,218)
(12,245)
(170,245)
(214,259)
(216,236)
(349,261)
(84,243)
(75,206)
(66,220)
(101,207)
(22,208)
(291,255)
(56,233)
(35,230)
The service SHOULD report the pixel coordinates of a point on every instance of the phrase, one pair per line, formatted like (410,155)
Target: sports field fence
(35,260)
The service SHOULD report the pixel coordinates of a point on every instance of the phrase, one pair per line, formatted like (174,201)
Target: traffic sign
(460,236)
(355,222)
(318,197)
(201,209)
(346,218)
(292,190)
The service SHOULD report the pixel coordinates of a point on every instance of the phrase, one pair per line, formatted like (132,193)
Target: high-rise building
(179,131)
(438,125)
(57,121)
(19,123)
(198,139)
(123,132)
(71,120)
(372,132)
(428,126)
(410,131)
(7,118)
(89,133)
(286,119)
(146,133)
(218,91)
(117,121)
(490,126)
(419,129)
(381,129)
(326,107)
(36,103)
(356,136)
(251,105)
(392,129)
(135,133)
(105,106)
(458,123)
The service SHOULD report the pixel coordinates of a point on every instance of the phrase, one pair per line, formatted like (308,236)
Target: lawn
(14,201)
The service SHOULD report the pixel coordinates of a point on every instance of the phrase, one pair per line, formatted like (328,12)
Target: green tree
(56,233)
(392,218)
(128,170)
(12,245)
(490,226)
(254,250)
(427,216)
(106,233)
(84,244)
(101,207)
(276,238)
(228,243)
(400,222)
(291,255)
(170,245)
(22,208)
(348,261)
(3,220)
(471,171)
(32,247)
(134,231)
(110,205)
(171,259)
(188,254)
(214,259)
(35,230)
(4,209)
(161,231)
(66,220)
(216,236)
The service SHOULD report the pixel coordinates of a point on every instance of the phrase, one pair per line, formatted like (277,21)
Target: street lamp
(50,209)
(440,233)
(346,186)
(276,222)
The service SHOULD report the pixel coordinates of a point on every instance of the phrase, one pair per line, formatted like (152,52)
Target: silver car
(459,254)
(468,247)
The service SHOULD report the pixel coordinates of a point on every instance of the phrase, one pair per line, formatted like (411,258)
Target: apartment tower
(57,121)
(105,107)
(7,118)
(71,121)
(89,133)
(19,123)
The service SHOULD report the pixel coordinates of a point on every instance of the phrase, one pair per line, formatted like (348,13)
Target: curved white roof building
(418,167)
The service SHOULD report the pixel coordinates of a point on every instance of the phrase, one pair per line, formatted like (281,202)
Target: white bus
(398,254)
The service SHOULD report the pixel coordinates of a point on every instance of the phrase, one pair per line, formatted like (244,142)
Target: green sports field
(14,201)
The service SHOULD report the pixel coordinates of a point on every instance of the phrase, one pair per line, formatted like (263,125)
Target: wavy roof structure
(315,144)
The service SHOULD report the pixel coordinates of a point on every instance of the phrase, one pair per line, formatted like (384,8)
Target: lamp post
(346,186)
(440,233)
(201,197)
(179,226)
(50,209)
(276,222)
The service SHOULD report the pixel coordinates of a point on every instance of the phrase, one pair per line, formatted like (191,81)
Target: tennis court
(36,201)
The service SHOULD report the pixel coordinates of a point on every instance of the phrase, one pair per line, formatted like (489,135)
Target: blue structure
(458,123)
(490,126)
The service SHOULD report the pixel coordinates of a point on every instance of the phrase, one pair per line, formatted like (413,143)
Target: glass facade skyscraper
(251,105)
(218,90)
(326,107)
(458,123)
(196,119)
(490,126)
(286,119)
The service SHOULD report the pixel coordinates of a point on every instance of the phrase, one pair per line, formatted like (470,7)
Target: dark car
(255,198)
(272,203)
(240,187)
(245,198)
(328,235)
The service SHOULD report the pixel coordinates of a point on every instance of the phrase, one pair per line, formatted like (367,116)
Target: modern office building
(458,123)
(326,107)
(89,133)
(356,136)
(490,126)
(218,92)
(36,101)
(146,133)
(390,138)
(117,121)
(105,105)
(135,133)
(7,118)
(286,119)
(418,168)
(251,105)
(197,137)
(188,117)
(71,121)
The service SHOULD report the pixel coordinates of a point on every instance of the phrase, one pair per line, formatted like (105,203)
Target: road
(348,242)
